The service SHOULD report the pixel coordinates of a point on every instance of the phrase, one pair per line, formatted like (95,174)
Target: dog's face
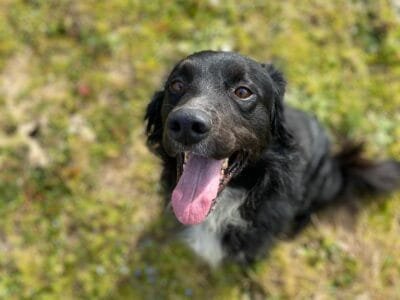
(218,110)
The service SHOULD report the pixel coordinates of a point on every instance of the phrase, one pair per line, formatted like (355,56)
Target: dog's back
(328,177)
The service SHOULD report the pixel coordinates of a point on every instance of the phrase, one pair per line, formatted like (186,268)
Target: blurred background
(81,215)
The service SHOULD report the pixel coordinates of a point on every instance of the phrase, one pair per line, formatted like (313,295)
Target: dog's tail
(361,176)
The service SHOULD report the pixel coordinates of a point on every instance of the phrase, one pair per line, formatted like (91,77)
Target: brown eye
(176,87)
(243,92)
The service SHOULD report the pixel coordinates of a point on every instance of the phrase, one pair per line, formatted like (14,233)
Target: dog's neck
(205,238)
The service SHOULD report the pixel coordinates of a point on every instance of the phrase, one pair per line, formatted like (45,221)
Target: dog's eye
(243,92)
(177,87)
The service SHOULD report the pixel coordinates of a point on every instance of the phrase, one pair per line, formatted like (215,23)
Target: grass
(80,213)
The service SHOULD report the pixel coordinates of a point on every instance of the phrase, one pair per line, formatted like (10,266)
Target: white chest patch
(205,238)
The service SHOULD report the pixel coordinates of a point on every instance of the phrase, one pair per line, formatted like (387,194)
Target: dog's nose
(188,126)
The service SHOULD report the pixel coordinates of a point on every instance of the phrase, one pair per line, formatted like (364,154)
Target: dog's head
(217,112)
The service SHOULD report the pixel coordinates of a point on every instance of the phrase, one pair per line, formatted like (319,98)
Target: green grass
(80,212)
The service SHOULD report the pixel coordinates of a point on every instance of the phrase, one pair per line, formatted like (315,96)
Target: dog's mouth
(200,180)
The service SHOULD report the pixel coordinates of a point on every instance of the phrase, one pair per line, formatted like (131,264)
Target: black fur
(290,172)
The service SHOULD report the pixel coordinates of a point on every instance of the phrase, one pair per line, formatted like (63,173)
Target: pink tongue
(196,189)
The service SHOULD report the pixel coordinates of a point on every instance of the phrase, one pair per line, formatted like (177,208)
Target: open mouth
(200,180)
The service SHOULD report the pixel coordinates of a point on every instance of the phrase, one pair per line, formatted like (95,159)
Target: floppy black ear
(154,127)
(278,127)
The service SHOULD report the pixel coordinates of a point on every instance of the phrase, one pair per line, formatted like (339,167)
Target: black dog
(242,168)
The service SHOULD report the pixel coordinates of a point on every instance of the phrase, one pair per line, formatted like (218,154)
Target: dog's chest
(205,238)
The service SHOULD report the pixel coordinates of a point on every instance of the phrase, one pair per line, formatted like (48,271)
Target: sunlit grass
(80,210)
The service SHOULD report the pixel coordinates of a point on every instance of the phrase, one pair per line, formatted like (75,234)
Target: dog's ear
(278,127)
(154,127)
(278,78)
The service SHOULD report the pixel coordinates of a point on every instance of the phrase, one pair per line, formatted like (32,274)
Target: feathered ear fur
(278,128)
(154,128)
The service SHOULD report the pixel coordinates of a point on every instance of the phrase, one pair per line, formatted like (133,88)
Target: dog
(240,167)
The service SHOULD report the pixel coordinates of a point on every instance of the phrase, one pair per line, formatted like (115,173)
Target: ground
(81,215)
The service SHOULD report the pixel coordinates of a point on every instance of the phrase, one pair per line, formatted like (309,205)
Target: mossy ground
(80,212)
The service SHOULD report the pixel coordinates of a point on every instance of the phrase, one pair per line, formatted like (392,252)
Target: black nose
(188,126)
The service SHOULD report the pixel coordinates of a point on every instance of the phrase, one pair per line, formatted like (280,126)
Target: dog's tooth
(225,164)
